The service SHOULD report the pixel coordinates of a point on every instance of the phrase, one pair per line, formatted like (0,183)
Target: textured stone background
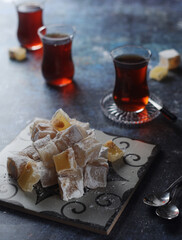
(101,26)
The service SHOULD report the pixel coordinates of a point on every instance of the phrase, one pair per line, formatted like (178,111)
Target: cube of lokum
(95,174)
(158,73)
(41,142)
(41,134)
(30,152)
(114,152)
(60,120)
(71,184)
(169,58)
(48,176)
(87,150)
(72,135)
(29,177)
(84,125)
(103,152)
(42,128)
(65,161)
(60,144)
(17,53)
(16,164)
(46,149)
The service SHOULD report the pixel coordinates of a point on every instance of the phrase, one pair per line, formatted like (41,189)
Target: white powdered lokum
(95,174)
(48,176)
(16,164)
(71,184)
(84,125)
(64,151)
(60,144)
(46,149)
(169,58)
(30,152)
(87,150)
(72,135)
(41,128)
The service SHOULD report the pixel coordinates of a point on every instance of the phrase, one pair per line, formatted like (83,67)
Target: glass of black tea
(131,93)
(57,63)
(30,18)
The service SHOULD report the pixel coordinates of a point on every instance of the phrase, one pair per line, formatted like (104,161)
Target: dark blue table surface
(101,26)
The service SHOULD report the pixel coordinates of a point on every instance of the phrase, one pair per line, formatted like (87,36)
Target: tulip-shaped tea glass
(128,103)
(29,20)
(57,64)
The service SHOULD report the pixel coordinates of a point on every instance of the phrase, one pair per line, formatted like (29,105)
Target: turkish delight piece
(95,174)
(48,176)
(169,58)
(17,53)
(60,144)
(65,161)
(60,120)
(158,73)
(30,152)
(103,152)
(46,149)
(42,128)
(84,125)
(29,177)
(41,142)
(71,184)
(87,150)
(16,164)
(114,152)
(41,134)
(33,126)
(72,135)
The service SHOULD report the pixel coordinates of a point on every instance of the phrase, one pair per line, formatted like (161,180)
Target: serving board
(98,210)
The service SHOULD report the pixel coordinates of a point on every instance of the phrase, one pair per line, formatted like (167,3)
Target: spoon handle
(176,182)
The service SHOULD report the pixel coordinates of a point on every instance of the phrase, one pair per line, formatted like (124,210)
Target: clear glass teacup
(57,63)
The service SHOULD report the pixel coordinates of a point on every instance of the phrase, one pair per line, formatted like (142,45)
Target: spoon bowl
(160,199)
(157,199)
(168,211)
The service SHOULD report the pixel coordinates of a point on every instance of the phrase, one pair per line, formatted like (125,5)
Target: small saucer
(115,114)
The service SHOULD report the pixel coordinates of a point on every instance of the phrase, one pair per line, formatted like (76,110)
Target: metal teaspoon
(170,210)
(160,199)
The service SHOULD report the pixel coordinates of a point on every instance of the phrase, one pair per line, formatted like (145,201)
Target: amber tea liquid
(131,91)
(30,19)
(57,65)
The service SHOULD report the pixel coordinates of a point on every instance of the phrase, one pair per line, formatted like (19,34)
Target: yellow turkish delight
(158,73)
(17,53)
(65,161)
(114,152)
(60,120)
(29,177)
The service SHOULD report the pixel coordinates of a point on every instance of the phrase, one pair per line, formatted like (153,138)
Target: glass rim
(18,3)
(131,46)
(70,36)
